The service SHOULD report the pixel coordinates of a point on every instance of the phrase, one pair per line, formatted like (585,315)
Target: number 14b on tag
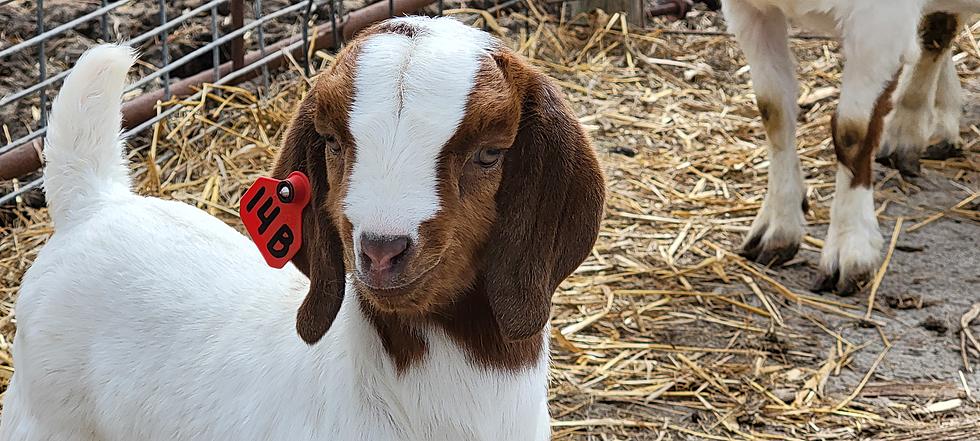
(272,211)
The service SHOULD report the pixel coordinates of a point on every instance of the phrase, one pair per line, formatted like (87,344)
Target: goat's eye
(487,157)
(331,143)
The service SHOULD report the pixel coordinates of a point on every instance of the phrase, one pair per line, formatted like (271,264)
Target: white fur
(151,320)
(853,243)
(80,171)
(877,38)
(928,104)
(410,96)
(763,38)
(911,124)
(949,103)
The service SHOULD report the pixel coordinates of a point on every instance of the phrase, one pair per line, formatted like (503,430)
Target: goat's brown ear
(320,256)
(549,206)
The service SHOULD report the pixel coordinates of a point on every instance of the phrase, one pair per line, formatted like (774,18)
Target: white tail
(83,147)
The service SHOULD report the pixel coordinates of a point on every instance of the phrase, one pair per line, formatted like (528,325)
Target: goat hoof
(903,160)
(883,156)
(825,282)
(778,255)
(851,285)
(942,151)
(842,286)
(773,252)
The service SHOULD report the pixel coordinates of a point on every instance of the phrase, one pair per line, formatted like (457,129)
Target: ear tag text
(272,211)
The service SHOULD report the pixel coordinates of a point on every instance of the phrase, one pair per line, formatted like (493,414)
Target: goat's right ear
(549,206)
(320,256)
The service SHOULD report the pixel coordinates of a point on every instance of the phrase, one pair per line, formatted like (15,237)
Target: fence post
(238,44)
(632,8)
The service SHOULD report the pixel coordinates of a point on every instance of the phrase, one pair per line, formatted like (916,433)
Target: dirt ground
(665,334)
(937,267)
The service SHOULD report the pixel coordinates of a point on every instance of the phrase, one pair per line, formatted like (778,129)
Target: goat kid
(452,191)
(900,48)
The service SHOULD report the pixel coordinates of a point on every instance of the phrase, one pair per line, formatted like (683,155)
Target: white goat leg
(779,226)
(949,109)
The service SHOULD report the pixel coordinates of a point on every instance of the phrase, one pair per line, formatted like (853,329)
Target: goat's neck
(467,322)
(431,374)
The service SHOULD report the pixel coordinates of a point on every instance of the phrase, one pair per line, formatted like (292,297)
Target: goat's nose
(384,252)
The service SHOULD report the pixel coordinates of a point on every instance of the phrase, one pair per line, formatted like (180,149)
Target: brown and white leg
(912,123)
(874,56)
(779,226)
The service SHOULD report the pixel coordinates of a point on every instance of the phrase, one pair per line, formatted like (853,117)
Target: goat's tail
(84,148)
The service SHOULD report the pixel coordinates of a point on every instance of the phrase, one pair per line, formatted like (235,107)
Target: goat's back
(143,308)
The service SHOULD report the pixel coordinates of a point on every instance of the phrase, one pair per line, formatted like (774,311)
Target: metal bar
(48,34)
(391,8)
(42,63)
(104,22)
(165,50)
(242,74)
(215,53)
(238,44)
(132,42)
(138,111)
(441,7)
(261,31)
(176,64)
(333,22)
(175,22)
(23,140)
(23,189)
(33,153)
(25,160)
(30,90)
(305,30)
(203,49)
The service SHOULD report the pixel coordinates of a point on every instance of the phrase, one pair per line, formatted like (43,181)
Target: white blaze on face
(410,95)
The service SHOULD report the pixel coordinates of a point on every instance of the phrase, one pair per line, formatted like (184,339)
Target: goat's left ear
(549,205)
(320,256)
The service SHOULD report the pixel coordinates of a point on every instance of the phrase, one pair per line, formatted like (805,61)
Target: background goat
(436,235)
(901,43)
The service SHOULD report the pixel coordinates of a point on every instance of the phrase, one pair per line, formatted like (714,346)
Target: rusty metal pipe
(25,158)
(21,160)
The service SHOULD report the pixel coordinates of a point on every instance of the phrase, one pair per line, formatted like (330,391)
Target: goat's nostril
(383,252)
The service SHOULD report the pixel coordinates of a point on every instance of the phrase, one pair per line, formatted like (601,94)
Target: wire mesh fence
(183,44)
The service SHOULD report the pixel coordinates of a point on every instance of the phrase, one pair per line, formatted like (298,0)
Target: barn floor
(664,333)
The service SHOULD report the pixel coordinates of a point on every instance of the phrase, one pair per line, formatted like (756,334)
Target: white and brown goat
(452,191)
(896,51)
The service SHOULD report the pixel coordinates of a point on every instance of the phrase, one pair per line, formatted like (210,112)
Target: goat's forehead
(418,60)
(412,83)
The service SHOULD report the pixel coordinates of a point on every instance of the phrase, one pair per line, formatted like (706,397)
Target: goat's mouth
(398,288)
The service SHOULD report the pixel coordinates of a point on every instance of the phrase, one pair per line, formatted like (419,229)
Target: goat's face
(440,163)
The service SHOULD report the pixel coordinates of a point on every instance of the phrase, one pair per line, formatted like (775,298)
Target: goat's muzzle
(383,260)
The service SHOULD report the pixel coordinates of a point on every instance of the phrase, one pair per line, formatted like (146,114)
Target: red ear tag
(272,211)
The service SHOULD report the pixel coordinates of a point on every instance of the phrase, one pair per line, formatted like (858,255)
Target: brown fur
(855,144)
(771,116)
(512,232)
(937,31)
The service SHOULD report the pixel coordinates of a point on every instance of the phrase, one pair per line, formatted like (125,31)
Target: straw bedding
(663,333)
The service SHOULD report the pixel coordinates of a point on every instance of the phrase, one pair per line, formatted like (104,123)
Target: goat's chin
(405,298)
